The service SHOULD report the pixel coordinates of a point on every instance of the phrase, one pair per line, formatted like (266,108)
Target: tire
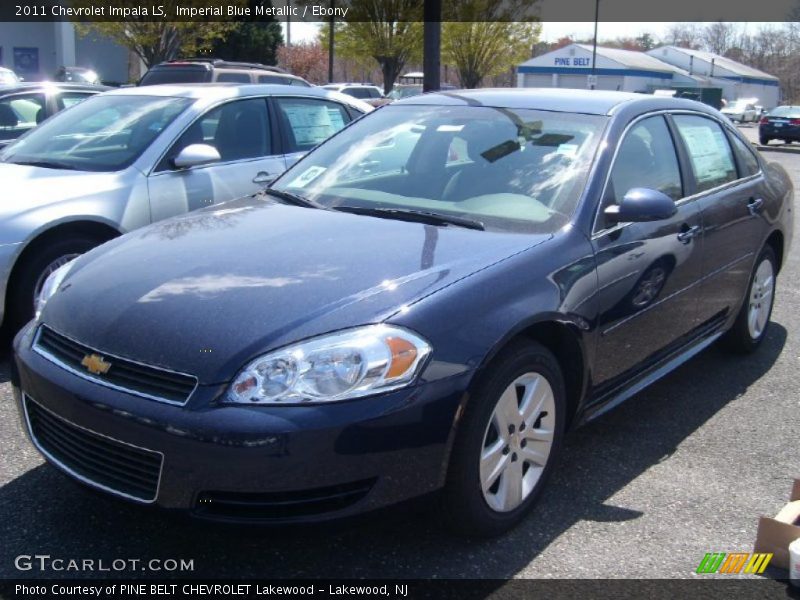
(467,508)
(752,322)
(764,140)
(31,272)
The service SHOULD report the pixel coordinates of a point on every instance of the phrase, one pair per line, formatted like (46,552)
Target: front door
(241,132)
(647,272)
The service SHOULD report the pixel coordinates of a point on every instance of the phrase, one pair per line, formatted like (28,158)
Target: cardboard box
(775,534)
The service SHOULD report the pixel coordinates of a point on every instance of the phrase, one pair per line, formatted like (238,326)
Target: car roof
(597,102)
(221,91)
(27,86)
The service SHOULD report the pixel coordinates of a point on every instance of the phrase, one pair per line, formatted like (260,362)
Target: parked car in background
(77,75)
(136,155)
(367,92)
(214,70)
(24,105)
(352,339)
(7,76)
(741,111)
(781,123)
(400,91)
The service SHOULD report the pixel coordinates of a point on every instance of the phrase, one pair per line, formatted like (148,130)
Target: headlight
(51,285)
(340,366)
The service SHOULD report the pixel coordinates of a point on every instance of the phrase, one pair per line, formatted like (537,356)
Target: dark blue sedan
(782,123)
(425,303)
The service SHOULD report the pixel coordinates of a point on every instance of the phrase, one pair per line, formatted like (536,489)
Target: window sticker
(307,176)
(312,124)
(708,153)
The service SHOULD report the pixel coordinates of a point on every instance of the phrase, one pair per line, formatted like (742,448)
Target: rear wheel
(764,140)
(751,324)
(30,275)
(507,443)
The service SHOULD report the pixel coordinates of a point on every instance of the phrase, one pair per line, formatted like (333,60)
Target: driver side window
(646,159)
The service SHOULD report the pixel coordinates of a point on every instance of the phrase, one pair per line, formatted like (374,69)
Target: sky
(551,31)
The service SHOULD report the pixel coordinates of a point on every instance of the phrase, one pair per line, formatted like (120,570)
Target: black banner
(363,10)
(616,589)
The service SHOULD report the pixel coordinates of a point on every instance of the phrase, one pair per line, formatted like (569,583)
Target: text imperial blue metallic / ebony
(424,303)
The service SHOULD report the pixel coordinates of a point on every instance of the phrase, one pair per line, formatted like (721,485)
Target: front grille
(129,376)
(281,505)
(98,460)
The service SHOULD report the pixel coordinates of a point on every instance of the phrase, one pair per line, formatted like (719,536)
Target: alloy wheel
(761,295)
(517,442)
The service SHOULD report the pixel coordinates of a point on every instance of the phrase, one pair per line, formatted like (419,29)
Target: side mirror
(640,205)
(195,155)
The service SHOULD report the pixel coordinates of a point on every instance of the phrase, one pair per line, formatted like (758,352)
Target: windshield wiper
(419,216)
(293,199)
(45,164)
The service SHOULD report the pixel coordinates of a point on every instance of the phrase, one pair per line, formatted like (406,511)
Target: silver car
(126,158)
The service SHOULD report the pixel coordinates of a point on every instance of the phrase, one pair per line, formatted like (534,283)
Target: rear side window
(646,159)
(748,163)
(308,122)
(68,99)
(271,79)
(176,75)
(233,77)
(357,92)
(709,151)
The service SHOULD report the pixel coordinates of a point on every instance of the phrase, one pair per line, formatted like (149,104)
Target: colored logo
(734,562)
(95,364)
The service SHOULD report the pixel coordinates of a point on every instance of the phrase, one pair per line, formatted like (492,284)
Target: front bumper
(247,463)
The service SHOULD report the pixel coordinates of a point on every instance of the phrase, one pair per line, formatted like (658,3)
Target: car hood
(205,292)
(26,187)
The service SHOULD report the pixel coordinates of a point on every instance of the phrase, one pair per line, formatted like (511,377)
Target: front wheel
(751,324)
(507,444)
(30,275)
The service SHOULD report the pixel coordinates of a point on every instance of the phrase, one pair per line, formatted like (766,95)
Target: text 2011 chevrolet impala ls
(426,302)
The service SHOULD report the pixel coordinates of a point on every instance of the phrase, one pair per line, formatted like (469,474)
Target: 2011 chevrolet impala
(425,303)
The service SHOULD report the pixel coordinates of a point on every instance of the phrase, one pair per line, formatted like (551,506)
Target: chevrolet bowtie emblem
(95,364)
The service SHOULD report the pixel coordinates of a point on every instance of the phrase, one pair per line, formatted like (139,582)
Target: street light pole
(432,44)
(594,43)
(330,43)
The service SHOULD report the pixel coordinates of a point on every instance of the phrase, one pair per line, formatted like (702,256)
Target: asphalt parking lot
(684,468)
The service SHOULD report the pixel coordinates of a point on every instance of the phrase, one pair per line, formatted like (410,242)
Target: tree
(719,37)
(646,41)
(487,48)
(157,40)
(683,35)
(254,40)
(388,31)
(309,60)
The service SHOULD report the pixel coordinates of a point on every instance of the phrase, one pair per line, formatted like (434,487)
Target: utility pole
(432,45)
(289,24)
(330,44)
(594,44)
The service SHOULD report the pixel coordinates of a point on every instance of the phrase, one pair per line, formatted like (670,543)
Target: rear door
(307,122)
(245,137)
(730,192)
(647,272)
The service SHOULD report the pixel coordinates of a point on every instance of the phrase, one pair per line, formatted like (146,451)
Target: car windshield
(508,169)
(103,133)
(739,104)
(400,92)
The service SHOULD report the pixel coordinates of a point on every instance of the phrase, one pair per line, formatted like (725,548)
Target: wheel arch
(566,341)
(100,230)
(776,242)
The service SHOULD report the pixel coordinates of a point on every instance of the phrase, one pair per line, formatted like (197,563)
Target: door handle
(686,234)
(263,177)
(755,205)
